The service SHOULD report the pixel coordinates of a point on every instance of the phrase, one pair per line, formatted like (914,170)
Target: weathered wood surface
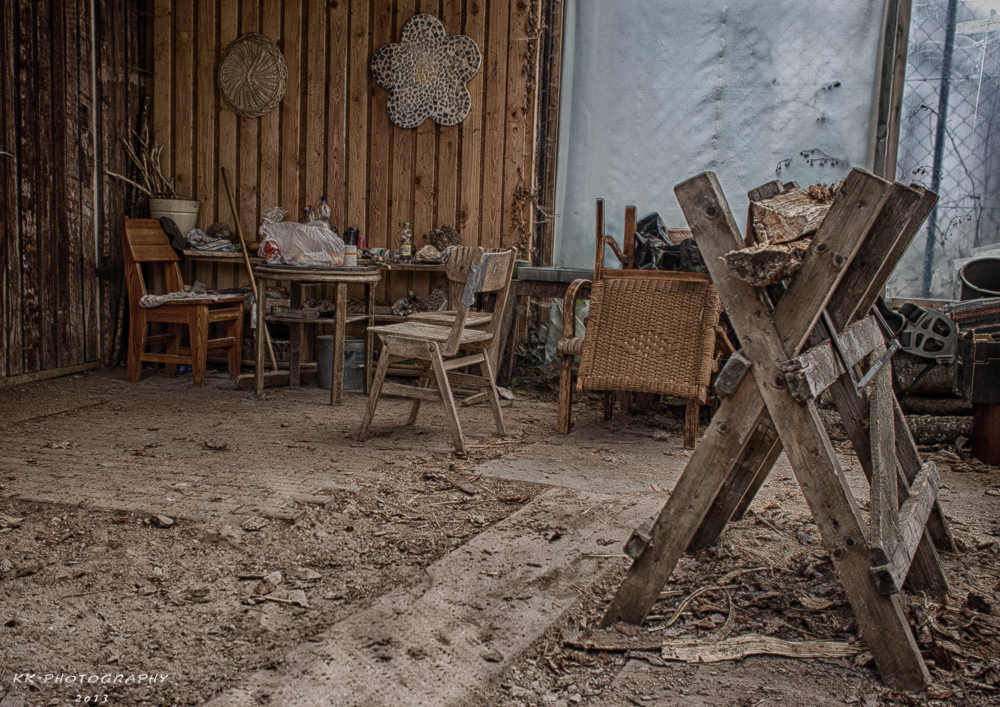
(806,444)
(767,263)
(882,435)
(816,370)
(788,216)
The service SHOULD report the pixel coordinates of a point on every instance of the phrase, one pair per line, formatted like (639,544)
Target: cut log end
(767,264)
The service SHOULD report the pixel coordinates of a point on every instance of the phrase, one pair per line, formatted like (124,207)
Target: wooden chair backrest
(457,271)
(145,241)
(627,256)
(490,272)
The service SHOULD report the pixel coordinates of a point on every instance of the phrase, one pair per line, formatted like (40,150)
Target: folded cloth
(186,295)
(220,244)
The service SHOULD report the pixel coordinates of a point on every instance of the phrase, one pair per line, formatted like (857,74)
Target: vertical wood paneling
(380,228)
(331,134)
(30,167)
(249,150)
(403,145)
(183,127)
(270,123)
(521,69)
(472,134)
(207,111)
(229,19)
(163,80)
(11,360)
(48,300)
(336,125)
(495,76)
(449,136)
(357,119)
(88,179)
(315,137)
(425,162)
(290,109)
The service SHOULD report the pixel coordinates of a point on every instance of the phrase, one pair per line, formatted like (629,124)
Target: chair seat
(448,318)
(429,332)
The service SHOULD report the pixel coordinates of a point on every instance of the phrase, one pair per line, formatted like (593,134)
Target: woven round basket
(252,75)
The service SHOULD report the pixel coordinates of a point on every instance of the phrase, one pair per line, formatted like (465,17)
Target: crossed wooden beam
(769,391)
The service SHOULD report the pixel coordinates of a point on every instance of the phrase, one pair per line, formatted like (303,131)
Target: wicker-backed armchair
(648,331)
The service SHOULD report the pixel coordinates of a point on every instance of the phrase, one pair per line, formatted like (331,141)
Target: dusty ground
(362,533)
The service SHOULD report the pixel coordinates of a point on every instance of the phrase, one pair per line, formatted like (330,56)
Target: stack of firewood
(781,230)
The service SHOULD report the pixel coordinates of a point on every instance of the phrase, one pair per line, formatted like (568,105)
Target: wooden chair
(145,241)
(457,270)
(440,350)
(648,331)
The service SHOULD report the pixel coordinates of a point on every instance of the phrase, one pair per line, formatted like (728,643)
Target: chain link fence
(949,140)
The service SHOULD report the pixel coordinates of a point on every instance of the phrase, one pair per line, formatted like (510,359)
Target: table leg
(369,335)
(340,331)
(296,338)
(258,370)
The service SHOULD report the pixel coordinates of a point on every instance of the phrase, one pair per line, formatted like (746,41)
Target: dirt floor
(166,545)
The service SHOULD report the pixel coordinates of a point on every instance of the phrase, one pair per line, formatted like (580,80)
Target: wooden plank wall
(68,93)
(331,134)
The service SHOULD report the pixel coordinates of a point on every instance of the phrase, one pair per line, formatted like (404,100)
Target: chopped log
(767,264)
(791,215)
(937,381)
(926,429)
(924,405)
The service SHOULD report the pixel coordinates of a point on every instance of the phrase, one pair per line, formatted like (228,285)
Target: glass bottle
(323,212)
(406,244)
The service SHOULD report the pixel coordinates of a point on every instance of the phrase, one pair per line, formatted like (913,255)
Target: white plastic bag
(306,244)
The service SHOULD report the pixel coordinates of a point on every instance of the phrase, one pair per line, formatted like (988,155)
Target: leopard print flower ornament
(426,73)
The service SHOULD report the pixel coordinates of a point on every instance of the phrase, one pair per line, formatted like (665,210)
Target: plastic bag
(654,251)
(306,244)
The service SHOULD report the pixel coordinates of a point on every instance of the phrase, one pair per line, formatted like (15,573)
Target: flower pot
(184,212)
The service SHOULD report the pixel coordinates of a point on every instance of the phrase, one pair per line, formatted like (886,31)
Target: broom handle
(246,261)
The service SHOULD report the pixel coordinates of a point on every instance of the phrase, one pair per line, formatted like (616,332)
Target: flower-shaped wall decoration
(426,72)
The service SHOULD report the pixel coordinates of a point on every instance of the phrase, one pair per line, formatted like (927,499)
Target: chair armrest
(613,244)
(569,305)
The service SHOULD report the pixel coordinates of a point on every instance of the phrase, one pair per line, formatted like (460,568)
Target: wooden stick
(246,261)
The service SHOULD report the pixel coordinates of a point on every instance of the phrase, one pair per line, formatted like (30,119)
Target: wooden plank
(336,124)
(518,119)
(884,501)
(357,118)
(898,82)
(812,372)
(425,159)
(834,246)
(229,19)
(30,165)
(812,457)
(547,138)
(249,147)
(449,138)
(909,532)
(207,112)
(471,167)
(270,133)
(755,462)
(73,318)
(10,220)
(495,77)
(88,174)
(315,108)
(163,79)
(403,143)
(48,301)
(380,229)
(182,135)
(26,378)
(290,197)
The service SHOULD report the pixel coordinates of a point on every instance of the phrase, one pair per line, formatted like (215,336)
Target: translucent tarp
(949,140)
(654,92)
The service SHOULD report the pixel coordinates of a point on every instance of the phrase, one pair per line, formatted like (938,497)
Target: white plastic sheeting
(655,92)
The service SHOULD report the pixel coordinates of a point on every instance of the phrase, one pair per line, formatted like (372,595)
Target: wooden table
(298,277)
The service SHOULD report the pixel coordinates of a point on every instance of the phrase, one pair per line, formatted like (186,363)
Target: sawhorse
(771,406)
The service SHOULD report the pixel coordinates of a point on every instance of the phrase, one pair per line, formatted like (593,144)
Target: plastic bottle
(307,216)
(406,244)
(323,212)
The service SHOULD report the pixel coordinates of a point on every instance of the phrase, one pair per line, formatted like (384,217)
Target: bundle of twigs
(147,161)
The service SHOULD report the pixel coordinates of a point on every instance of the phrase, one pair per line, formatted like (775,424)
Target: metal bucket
(979,278)
(354,362)
(184,212)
